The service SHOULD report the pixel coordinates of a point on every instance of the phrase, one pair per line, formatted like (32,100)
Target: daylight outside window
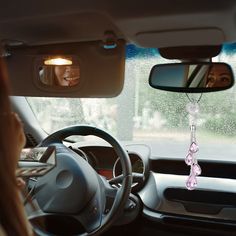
(143,113)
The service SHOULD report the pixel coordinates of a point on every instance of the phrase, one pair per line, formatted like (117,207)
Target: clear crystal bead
(192,108)
(191,182)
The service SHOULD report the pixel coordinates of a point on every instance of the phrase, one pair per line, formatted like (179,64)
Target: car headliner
(152,23)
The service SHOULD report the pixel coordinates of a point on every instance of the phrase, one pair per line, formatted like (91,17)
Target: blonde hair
(12,214)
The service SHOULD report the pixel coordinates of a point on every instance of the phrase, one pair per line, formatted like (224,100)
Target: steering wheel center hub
(64,179)
(68,187)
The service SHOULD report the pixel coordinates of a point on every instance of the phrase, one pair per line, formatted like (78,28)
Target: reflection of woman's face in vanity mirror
(219,76)
(67,75)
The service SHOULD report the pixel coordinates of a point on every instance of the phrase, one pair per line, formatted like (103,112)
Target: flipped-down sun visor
(85,69)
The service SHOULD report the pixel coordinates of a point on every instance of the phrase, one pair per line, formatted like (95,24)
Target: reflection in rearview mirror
(187,77)
(59,75)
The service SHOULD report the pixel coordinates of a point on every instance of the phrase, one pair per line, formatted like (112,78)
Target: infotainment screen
(36,161)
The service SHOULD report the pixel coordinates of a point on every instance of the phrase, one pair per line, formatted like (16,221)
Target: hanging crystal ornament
(191,160)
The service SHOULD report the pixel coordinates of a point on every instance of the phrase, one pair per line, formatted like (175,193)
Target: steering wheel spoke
(92,215)
(137,178)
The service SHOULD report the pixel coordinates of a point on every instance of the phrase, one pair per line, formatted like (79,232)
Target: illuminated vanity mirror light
(58,61)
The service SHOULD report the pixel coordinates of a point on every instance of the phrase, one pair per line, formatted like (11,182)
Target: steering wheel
(74,192)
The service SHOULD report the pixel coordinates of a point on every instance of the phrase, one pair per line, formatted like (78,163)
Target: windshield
(141,113)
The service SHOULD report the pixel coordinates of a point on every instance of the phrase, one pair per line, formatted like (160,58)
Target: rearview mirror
(192,77)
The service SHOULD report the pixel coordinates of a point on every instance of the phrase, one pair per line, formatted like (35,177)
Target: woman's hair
(48,76)
(12,215)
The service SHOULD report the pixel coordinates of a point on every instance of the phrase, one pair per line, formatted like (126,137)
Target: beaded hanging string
(191,159)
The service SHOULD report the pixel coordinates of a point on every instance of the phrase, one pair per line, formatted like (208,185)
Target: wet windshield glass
(141,113)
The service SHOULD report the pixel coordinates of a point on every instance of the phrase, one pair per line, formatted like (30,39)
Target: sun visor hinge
(9,43)
(4,52)
(110,40)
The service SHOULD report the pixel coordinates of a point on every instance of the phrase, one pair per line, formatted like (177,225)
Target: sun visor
(85,69)
(176,38)
(190,52)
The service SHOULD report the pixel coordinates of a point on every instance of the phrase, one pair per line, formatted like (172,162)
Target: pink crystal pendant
(189,159)
(191,182)
(193,147)
(196,169)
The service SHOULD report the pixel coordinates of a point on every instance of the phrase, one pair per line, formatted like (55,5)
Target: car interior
(129,112)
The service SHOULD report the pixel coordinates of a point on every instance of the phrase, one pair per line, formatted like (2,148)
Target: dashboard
(106,162)
(162,191)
